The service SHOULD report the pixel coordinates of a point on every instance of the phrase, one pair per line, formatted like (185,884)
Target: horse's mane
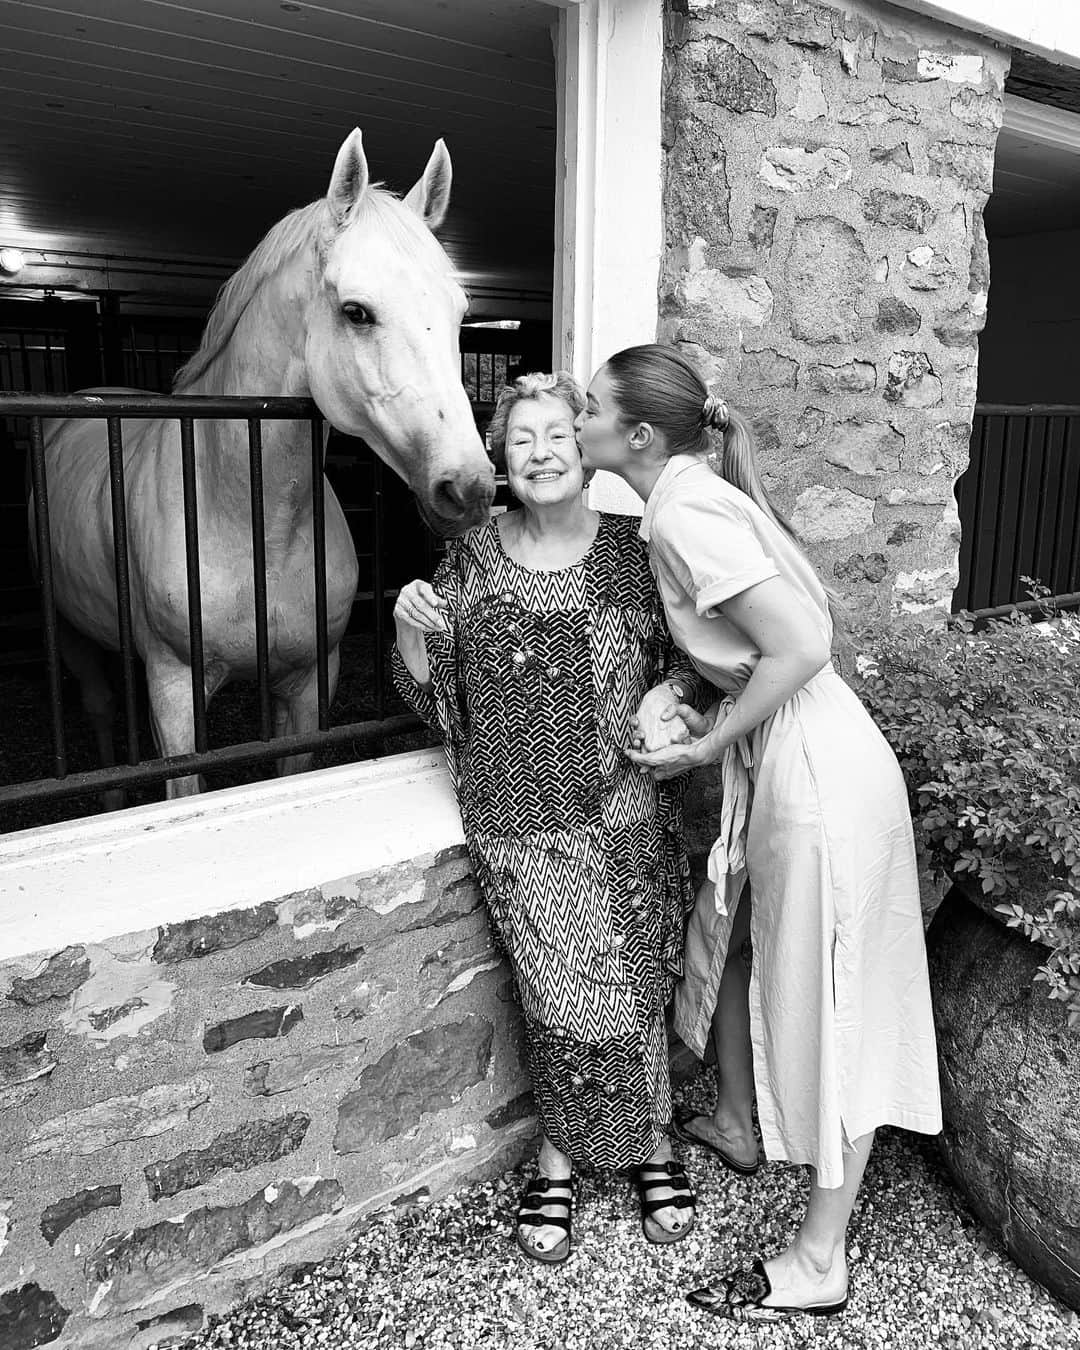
(309,227)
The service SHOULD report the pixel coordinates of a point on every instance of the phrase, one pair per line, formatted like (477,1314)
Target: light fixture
(508,325)
(12,260)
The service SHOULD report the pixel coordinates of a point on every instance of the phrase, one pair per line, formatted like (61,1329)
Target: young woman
(832,1027)
(540,635)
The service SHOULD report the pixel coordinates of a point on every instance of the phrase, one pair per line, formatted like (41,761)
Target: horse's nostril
(458,496)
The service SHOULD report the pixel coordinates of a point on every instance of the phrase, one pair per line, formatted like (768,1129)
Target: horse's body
(350,301)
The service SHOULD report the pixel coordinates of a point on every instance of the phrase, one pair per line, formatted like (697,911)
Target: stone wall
(186,1110)
(826,265)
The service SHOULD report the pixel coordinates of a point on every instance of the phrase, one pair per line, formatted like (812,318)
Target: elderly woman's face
(543,465)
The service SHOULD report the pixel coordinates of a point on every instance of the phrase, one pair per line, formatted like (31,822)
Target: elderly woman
(530,652)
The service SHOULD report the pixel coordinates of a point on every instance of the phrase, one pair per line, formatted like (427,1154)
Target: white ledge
(87,880)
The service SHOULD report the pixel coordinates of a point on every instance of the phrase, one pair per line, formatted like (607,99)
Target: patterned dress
(579,856)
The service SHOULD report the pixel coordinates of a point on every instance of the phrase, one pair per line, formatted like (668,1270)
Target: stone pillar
(826,265)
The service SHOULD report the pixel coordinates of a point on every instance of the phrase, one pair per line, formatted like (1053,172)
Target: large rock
(132,1269)
(30,1316)
(26,1060)
(912,381)
(697,186)
(118,1119)
(855,377)
(793,168)
(214,933)
(970,165)
(897,208)
(60,976)
(269,1078)
(865,447)
(427,1072)
(827,271)
(713,71)
(264,1024)
(59,1216)
(1010,1077)
(300,972)
(823,513)
(257,1141)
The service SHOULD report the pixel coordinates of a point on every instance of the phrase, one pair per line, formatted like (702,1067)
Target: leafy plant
(985,721)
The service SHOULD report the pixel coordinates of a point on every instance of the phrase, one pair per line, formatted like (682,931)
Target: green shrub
(986,726)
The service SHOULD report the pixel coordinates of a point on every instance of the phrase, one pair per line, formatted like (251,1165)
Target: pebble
(446,1276)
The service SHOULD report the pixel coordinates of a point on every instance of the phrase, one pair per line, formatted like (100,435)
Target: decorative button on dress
(815,816)
(578,855)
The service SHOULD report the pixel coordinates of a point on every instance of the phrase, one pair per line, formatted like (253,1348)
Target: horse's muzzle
(456,502)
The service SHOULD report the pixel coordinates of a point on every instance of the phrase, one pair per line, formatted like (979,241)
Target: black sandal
(742,1299)
(538,1194)
(670,1175)
(679,1128)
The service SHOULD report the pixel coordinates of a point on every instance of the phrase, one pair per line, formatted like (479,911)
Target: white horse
(350,301)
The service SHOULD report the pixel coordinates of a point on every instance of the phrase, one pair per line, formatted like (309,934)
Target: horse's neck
(265,355)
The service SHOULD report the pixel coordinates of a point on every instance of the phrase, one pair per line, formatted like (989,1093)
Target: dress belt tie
(727,858)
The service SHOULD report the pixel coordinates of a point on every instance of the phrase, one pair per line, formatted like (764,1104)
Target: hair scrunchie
(715,414)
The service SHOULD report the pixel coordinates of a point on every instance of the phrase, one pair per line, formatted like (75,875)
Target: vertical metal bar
(1074,552)
(258,558)
(980,492)
(123,585)
(999,514)
(1058,585)
(378,586)
(1040,513)
(194,583)
(318,530)
(50,383)
(1021,511)
(48,599)
(28,378)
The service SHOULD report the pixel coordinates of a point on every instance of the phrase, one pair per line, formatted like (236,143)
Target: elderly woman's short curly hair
(559,384)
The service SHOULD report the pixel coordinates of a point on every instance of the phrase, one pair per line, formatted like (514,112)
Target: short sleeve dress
(815,817)
(579,856)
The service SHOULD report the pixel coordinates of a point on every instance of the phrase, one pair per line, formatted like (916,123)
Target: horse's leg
(171,712)
(86,661)
(296,709)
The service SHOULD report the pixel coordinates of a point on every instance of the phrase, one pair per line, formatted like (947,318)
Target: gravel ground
(446,1276)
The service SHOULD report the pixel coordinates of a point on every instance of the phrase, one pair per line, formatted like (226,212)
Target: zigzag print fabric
(579,856)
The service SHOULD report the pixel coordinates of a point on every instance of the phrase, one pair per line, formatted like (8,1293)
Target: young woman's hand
(705,746)
(420,606)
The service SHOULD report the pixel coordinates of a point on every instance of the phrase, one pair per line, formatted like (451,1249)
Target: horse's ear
(430,197)
(349,181)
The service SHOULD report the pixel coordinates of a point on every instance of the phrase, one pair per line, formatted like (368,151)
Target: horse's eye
(357,314)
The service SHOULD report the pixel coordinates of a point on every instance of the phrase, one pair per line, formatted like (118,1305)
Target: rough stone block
(131,1269)
(960,328)
(970,165)
(983,111)
(58,978)
(875,111)
(27,1059)
(175,1325)
(518,1108)
(979,270)
(762,226)
(30,1316)
(713,71)
(955,67)
(719,306)
(911,381)
(428,1072)
(872,567)
(767,369)
(827,270)
(924,589)
(810,101)
(300,972)
(269,1078)
(793,168)
(809,426)
(262,1025)
(926,270)
(257,1141)
(865,447)
(451,893)
(897,208)
(856,377)
(904,532)
(214,933)
(63,1213)
(118,1119)
(698,194)
(454,967)
(892,156)
(823,513)
(894,316)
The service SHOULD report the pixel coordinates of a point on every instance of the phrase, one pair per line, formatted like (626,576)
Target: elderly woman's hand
(657,722)
(701,747)
(420,606)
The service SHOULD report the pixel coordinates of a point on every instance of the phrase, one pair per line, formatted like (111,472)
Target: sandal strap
(670,1176)
(539,1194)
(532,1218)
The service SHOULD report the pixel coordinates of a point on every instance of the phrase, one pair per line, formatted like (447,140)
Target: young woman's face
(543,464)
(603,438)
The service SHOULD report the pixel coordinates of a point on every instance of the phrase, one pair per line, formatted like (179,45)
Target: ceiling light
(510,325)
(12,260)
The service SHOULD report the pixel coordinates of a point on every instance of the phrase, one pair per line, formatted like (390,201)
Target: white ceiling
(1036,171)
(186,129)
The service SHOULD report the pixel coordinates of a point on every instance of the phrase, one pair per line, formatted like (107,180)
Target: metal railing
(187,410)
(1019,505)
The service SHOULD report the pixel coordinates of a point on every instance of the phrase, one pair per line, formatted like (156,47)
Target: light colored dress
(815,817)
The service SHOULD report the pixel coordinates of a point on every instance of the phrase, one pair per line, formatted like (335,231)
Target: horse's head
(382,349)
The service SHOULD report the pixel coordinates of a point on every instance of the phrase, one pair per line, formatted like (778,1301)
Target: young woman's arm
(793,649)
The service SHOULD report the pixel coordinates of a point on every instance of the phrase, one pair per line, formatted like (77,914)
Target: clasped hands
(668,737)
